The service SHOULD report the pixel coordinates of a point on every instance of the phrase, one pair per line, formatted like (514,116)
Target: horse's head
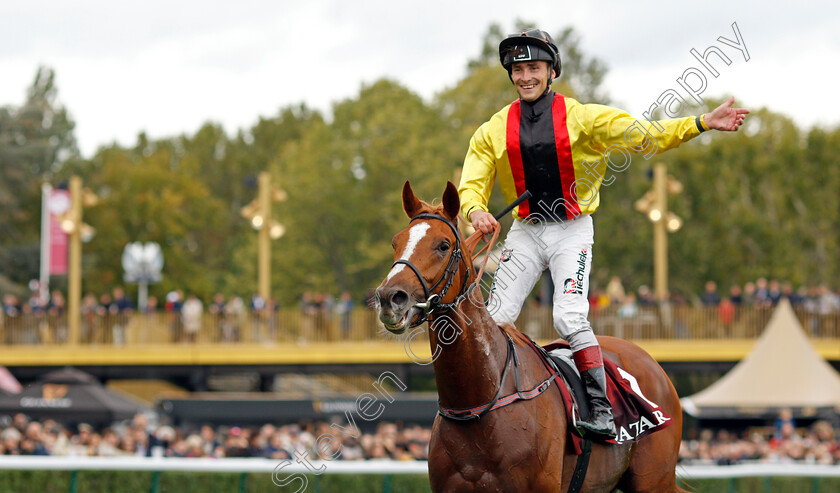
(430,269)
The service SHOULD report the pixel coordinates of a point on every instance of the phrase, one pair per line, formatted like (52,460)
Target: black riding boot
(600,422)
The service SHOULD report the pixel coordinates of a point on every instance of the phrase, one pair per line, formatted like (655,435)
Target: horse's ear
(451,202)
(411,204)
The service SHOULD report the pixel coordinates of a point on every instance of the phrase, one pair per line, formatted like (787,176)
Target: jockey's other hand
(725,117)
(483,221)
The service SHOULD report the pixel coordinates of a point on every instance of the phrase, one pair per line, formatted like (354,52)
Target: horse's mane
(432,208)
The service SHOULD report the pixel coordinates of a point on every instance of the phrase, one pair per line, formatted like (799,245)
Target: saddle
(635,415)
(565,365)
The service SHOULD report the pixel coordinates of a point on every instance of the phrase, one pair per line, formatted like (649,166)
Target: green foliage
(344,181)
(762,200)
(36,139)
(154,194)
(756,203)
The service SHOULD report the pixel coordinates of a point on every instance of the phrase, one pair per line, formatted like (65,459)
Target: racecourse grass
(185,482)
(31,481)
(763,485)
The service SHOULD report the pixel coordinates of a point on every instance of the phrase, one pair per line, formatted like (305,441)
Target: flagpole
(44,280)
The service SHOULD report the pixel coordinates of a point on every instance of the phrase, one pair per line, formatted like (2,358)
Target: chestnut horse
(521,447)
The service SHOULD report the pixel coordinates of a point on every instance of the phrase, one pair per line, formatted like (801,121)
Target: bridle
(433,300)
(433,303)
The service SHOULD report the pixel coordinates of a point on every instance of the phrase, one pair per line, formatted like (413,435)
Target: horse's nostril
(399,298)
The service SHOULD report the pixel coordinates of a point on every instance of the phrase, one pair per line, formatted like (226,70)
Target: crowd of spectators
(816,444)
(141,438)
(323,313)
(104,318)
(762,293)
(743,311)
(321,316)
(37,319)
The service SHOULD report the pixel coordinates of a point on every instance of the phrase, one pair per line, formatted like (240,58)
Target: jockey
(558,149)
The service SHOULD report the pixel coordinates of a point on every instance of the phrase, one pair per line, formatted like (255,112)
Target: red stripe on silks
(515,155)
(564,156)
(588,358)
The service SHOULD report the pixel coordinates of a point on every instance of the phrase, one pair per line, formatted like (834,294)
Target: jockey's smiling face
(530,79)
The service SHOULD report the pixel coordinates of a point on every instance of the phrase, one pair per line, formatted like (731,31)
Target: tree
(36,139)
(257,149)
(154,196)
(344,181)
(759,203)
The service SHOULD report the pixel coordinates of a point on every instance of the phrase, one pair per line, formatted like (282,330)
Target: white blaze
(415,234)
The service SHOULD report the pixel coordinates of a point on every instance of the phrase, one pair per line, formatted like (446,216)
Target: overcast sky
(166,67)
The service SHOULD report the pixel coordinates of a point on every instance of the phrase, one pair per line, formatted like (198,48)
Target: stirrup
(605,432)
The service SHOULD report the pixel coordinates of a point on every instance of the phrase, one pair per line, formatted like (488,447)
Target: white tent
(782,371)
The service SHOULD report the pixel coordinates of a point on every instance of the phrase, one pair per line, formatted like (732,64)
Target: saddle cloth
(635,415)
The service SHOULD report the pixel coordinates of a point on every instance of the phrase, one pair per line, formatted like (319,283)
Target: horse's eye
(394,244)
(443,247)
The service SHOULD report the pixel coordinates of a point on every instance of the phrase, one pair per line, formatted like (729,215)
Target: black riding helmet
(528,45)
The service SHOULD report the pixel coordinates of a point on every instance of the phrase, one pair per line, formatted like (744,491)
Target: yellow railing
(681,322)
(292,326)
(288,325)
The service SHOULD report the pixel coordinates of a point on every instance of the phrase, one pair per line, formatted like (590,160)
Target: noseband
(432,303)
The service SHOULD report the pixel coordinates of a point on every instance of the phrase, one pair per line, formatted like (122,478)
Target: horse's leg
(606,465)
(654,459)
(516,448)
(653,466)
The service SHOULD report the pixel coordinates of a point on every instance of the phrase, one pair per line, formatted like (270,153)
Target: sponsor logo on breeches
(574,285)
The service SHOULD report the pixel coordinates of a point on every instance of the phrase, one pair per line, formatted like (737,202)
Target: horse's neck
(468,367)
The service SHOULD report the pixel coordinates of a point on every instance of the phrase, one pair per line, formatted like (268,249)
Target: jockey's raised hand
(725,117)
